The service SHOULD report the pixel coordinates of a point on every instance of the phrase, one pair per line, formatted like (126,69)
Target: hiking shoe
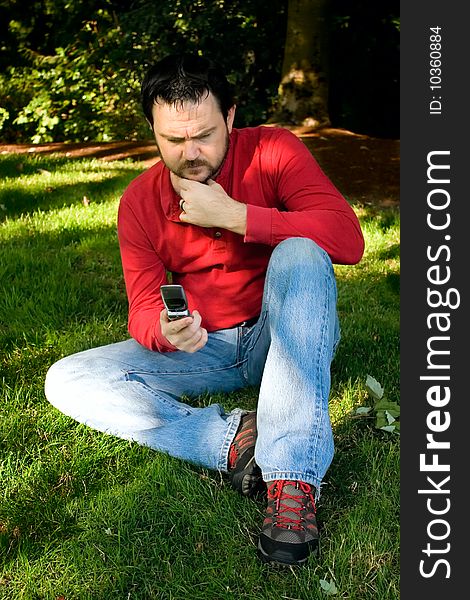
(244,473)
(289,533)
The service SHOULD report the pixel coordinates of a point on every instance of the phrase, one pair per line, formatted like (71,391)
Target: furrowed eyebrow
(203,134)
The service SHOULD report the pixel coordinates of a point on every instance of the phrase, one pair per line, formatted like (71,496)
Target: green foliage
(72,70)
(4,116)
(78,93)
(385,412)
(87,87)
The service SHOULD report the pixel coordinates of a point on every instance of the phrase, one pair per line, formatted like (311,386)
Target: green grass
(88,516)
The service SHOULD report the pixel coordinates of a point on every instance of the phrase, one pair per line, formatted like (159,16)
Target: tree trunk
(303,92)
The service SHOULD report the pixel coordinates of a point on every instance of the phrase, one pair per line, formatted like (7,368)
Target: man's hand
(210,206)
(185,334)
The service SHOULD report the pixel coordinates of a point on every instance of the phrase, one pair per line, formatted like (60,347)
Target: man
(248,224)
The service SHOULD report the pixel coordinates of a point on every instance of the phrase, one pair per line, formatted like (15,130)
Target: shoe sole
(248,481)
(283,559)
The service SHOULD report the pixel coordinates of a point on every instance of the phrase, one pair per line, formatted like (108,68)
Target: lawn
(87,516)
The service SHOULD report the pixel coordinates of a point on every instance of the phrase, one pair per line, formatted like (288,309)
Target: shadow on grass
(139,150)
(17,197)
(52,280)
(14,166)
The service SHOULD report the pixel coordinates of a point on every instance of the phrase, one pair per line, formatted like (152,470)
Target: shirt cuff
(258,225)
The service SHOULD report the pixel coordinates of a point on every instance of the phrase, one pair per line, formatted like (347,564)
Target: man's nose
(191,150)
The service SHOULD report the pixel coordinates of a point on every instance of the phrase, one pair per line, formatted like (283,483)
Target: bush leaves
(385,411)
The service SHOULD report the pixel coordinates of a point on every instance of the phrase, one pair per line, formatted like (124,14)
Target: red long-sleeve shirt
(287,195)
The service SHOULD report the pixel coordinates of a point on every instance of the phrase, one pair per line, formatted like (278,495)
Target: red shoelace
(276,492)
(245,437)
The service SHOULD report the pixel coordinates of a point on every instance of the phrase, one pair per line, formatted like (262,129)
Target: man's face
(193,139)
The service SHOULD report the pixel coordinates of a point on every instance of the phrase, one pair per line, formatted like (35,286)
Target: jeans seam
(318,409)
(260,324)
(185,372)
(243,362)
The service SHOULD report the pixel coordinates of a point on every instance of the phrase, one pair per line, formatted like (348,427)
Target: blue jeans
(134,393)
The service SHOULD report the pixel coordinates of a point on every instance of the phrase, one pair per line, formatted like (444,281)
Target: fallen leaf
(374,388)
(329,587)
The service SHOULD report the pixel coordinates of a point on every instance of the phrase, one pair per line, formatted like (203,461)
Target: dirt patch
(365,169)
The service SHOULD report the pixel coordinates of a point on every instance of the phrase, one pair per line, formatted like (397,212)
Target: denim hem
(294,476)
(232,429)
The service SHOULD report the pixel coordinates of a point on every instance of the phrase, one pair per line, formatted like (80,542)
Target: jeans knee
(56,378)
(65,379)
(300,255)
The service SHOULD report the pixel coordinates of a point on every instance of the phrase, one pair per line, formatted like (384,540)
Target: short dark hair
(180,78)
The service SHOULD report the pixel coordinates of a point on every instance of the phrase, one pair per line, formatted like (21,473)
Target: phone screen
(175,301)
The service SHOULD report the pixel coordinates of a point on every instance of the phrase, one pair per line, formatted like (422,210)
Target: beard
(183,169)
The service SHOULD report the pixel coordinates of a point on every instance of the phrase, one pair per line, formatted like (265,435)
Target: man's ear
(231,117)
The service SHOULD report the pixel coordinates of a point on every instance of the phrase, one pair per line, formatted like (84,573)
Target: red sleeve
(309,204)
(144,273)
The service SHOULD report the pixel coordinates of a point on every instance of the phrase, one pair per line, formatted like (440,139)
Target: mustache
(192,164)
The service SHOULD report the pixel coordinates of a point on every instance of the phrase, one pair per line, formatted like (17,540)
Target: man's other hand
(208,205)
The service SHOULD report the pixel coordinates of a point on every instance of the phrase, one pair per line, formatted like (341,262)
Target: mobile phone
(175,301)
